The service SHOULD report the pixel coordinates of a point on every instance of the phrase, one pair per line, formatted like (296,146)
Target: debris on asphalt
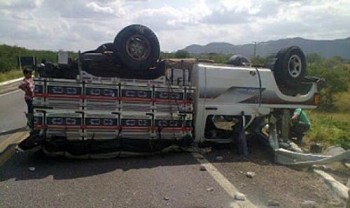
(294,147)
(199,156)
(250,174)
(309,204)
(205,150)
(31,168)
(273,203)
(336,203)
(316,148)
(338,188)
(240,196)
(202,168)
(243,185)
(347,165)
(265,162)
(210,189)
(334,150)
(166,198)
(320,167)
(219,158)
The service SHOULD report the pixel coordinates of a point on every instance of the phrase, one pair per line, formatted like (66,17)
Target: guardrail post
(285,125)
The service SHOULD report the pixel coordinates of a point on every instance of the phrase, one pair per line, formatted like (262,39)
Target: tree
(9,56)
(182,54)
(336,75)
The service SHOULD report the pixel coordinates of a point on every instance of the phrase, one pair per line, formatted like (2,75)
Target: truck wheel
(290,66)
(238,60)
(137,47)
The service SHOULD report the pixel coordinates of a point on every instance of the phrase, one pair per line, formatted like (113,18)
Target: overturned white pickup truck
(122,98)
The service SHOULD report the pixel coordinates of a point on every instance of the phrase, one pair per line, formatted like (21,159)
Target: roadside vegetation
(9,66)
(12,74)
(330,121)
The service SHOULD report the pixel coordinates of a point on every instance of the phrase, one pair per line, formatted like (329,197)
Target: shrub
(336,74)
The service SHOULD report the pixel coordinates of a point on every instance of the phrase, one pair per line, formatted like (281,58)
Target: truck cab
(241,93)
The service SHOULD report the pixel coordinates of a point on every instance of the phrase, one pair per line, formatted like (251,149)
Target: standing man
(27,85)
(300,124)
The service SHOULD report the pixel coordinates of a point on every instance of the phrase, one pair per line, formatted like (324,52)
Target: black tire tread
(281,67)
(120,47)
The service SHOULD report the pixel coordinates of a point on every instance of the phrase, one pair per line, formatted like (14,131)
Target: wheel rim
(138,47)
(294,66)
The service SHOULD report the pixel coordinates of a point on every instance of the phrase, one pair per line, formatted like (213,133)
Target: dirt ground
(272,182)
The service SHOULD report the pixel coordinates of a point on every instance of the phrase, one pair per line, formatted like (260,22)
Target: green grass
(13,74)
(343,101)
(332,128)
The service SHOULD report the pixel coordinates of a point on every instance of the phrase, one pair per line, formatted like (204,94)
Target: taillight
(317,99)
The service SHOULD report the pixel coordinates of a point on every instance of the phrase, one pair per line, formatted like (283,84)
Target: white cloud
(86,24)
(98,8)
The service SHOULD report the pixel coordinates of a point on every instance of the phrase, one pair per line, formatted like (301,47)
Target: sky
(85,24)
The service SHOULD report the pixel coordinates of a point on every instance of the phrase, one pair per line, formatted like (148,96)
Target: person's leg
(29,106)
(30,112)
(300,128)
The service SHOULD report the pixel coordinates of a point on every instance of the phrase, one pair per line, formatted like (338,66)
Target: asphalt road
(12,117)
(172,180)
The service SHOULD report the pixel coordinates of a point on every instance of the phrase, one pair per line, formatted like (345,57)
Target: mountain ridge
(325,48)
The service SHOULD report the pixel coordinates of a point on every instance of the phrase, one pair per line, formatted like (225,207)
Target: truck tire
(290,66)
(238,60)
(137,47)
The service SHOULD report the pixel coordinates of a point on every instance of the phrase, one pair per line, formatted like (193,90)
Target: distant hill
(325,48)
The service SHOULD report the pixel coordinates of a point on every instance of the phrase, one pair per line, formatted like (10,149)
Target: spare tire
(137,47)
(290,66)
(238,60)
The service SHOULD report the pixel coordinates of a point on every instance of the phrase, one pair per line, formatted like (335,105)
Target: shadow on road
(18,167)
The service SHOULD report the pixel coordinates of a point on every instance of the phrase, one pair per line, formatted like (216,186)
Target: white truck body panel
(233,91)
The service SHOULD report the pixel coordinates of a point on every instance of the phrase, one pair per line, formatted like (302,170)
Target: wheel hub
(294,66)
(138,47)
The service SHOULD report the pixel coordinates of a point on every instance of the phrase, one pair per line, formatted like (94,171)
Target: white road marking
(10,92)
(223,182)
